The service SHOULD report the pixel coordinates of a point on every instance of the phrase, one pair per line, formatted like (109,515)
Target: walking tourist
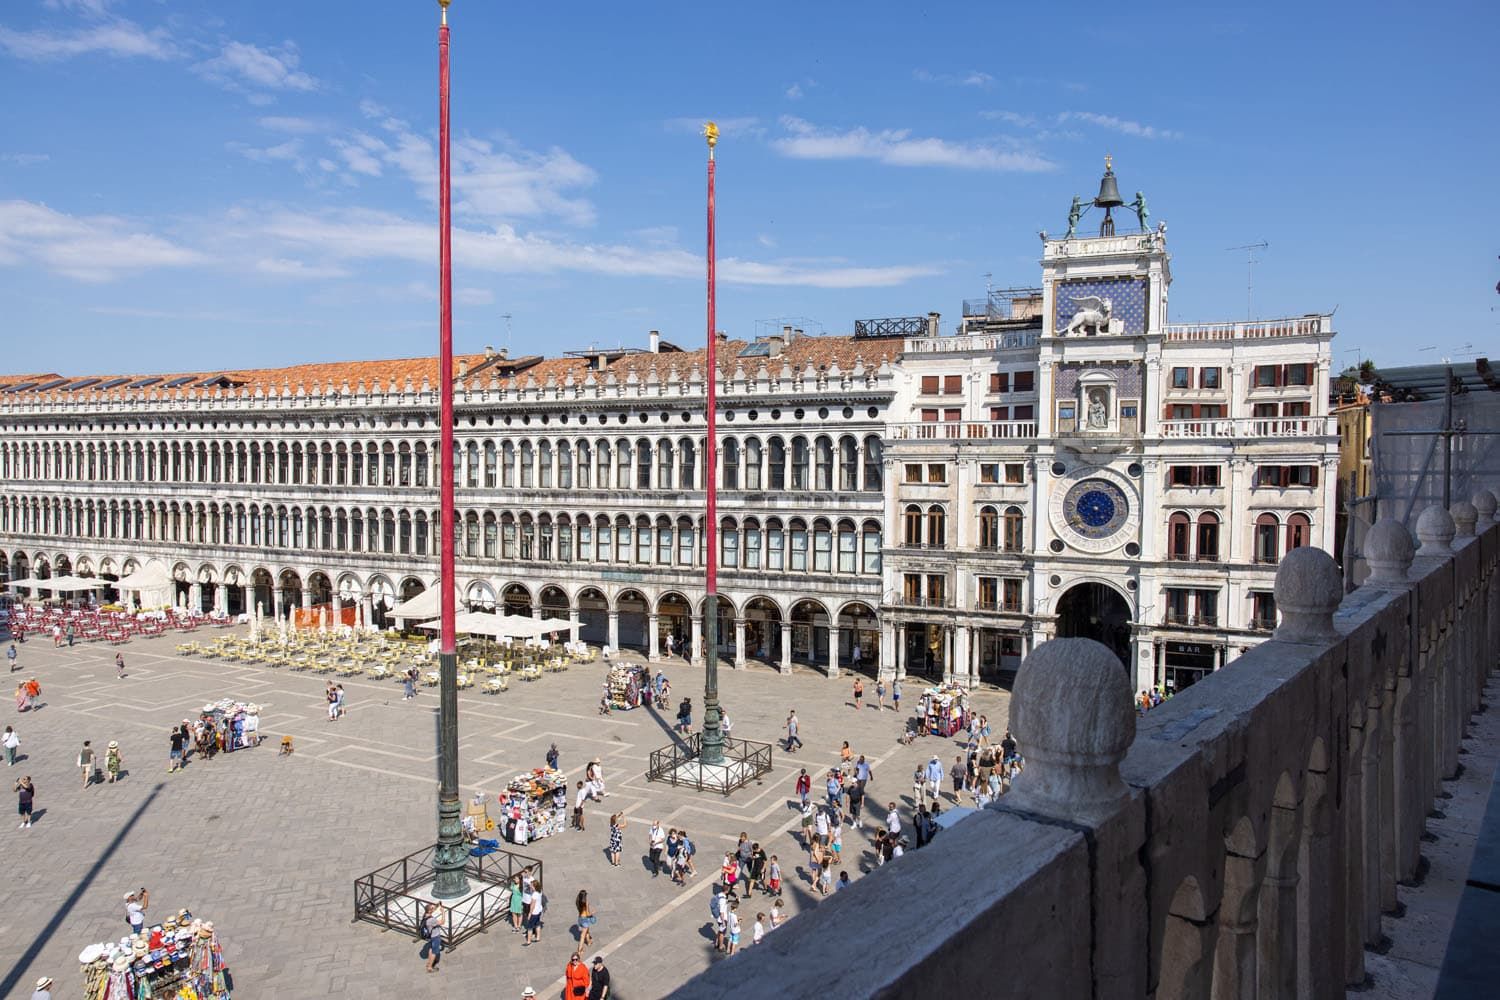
(778,914)
(793,741)
(859,693)
(599,980)
(432,936)
(918,785)
(553,757)
(893,821)
(732,926)
(856,795)
(12,743)
(586,919)
(25,797)
(409,684)
(135,909)
(576,979)
(534,917)
(656,841)
(804,786)
(960,775)
(616,838)
(517,904)
(758,932)
(10,654)
(773,877)
(934,775)
(43,989)
(685,717)
(113,761)
(896,694)
(119,666)
(86,763)
(176,741)
(579,798)
(879,695)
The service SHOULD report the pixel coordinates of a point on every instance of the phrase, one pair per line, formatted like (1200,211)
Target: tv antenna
(1250,261)
(506,317)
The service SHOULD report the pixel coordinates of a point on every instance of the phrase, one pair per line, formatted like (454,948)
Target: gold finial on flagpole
(444,4)
(711,133)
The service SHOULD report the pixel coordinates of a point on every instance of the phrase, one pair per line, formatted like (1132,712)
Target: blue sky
(254,183)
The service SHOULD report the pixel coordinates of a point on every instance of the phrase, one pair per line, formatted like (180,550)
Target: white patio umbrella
(423,606)
(72,584)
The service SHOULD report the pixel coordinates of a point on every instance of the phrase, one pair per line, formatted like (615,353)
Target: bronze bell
(1109,191)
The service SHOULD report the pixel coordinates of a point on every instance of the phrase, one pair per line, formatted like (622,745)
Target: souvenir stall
(626,684)
(227,725)
(945,710)
(535,805)
(179,959)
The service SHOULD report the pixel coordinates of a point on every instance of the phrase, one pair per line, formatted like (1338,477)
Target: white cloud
(973,78)
(88,8)
(794,92)
(1122,125)
(243,67)
(360,153)
(1010,118)
(286,267)
(898,147)
(87,248)
(474,296)
(285,152)
(24,159)
(120,38)
(765,241)
(291,124)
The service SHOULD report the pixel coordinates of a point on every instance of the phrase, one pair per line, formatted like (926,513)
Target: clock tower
(1104,310)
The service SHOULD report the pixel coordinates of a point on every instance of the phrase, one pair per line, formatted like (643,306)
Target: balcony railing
(1185,620)
(965,343)
(1301,326)
(965,430)
(918,601)
(1250,428)
(1011,606)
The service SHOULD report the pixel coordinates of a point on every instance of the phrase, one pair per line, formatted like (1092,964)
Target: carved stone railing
(1298,326)
(1250,428)
(1241,840)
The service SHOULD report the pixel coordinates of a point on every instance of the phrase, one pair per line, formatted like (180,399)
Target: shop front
(1185,663)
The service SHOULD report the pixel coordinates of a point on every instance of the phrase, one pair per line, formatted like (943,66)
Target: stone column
(887,668)
(695,625)
(367,611)
(739,643)
(195,598)
(614,630)
(247,600)
(653,653)
(898,655)
(833,651)
(963,668)
(786,648)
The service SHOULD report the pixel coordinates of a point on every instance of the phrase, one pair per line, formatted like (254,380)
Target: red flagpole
(713,737)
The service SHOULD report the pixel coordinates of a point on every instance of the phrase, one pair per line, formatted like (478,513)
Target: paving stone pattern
(268,847)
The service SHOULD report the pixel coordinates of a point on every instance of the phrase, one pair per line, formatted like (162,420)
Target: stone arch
(724,624)
(593,615)
(1235,962)
(1316,904)
(262,587)
(810,630)
(631,608)
(289,586)
(515,599)
(480,596)
(1187,945)
(553,601)
(859,627)
(673,614)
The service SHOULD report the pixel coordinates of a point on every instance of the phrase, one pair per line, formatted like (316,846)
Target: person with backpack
(432,936)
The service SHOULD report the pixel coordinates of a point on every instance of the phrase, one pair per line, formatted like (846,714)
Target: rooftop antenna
(1250,261)
(506,317)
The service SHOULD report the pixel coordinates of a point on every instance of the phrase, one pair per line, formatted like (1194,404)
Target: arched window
(664,461)
(528,466)
(937,528)
(585,466)
(775,545)
(1298,531)
(491,533)
(822,540)
(507,536)
(544,538)
(777,460)
(404,534)
(471,534)
(564,465)
(752,543)
(565,539)
(873,480)
(1208,537)
(989,528)
(489,465)
(911,526)
(731,464)
(622,537)
(643,464)
(528,537)
(1267,538)
(823,464)
(604,534)
(871,542)
(848,548)
(687,472)
(1179,536)
(622,462)
(1013,530)
(471,465)
(686,537)
(508,465)
(642,540)
(544,465)
(800,459)
(798,532)
(663,542)
(729,543)
(752,464)
(848,464)
(421,542)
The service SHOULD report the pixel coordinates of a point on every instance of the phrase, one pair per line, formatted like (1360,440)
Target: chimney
(463,367)
(795,334)
(655,341)
(504,353)
(489,352)
(776,343)
(932,324)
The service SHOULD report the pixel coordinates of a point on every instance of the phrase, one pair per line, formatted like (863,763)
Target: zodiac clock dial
(1095,508)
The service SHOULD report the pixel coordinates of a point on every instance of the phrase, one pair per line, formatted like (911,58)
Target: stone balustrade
(1242,840)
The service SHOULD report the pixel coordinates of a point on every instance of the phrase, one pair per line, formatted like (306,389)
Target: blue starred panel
(1128,378)
(1127,297)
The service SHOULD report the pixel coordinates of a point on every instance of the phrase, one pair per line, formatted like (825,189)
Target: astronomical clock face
(1093,514)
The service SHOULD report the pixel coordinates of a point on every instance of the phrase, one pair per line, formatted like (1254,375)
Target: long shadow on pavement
(8,985)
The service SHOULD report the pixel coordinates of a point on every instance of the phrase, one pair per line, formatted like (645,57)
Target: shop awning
(424,605)
(152,576)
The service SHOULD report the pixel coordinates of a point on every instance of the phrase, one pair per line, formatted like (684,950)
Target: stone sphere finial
(1484,502)
(1074,717)
(1389,551)
(1435,530)
(1309,588)
(1464,515)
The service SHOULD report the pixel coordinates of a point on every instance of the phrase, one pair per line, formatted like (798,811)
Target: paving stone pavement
(268,847)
